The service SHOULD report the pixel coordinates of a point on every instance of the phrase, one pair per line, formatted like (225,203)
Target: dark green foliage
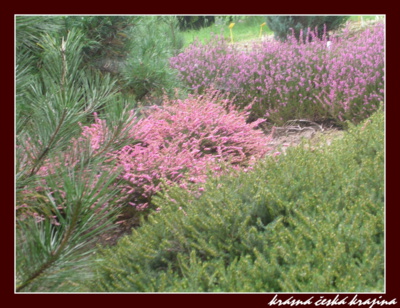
(58,247)
(282,25)
(308,221)
(104,37)
(195,22)
(29,31)
(146,72)
(135,49)
(28,28)
(106,41)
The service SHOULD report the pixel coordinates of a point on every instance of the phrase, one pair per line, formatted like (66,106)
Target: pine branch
(60,98)
(36,166)
(55,255)
(88,209)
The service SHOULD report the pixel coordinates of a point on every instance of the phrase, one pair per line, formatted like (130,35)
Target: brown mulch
(295,131)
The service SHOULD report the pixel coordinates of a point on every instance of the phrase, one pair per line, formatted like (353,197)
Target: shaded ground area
(295,131)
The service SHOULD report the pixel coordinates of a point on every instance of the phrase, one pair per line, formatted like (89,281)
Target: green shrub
(308,221)
(195,22)
(146,72)
(282,25)
(135,49)
(106,42)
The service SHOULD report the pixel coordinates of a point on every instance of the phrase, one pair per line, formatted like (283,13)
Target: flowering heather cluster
(180,141)
(342,80)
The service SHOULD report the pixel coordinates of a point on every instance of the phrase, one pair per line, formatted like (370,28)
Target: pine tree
(63,201)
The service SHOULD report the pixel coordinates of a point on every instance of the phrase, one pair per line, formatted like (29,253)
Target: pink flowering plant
(309,78)
(180,142)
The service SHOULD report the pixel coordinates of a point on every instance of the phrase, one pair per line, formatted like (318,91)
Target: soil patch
(296,131)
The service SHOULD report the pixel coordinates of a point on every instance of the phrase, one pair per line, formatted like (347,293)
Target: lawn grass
(246,28)
(364,17)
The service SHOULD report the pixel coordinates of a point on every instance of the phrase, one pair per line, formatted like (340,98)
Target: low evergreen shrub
(308,221)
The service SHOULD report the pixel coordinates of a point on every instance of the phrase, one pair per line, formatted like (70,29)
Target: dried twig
(291,128)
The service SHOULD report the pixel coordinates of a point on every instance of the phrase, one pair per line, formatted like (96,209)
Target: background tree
(195,22)
(134,49)
(146,73)
(105,43)
(282,25)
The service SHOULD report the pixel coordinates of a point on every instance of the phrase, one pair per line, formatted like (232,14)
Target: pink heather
(283,76)
(180,142)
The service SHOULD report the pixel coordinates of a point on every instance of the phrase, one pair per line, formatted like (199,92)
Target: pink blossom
(280,76)
(180,142)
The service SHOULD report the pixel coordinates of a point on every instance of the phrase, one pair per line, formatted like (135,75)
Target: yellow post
(262,25)
(230,29)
